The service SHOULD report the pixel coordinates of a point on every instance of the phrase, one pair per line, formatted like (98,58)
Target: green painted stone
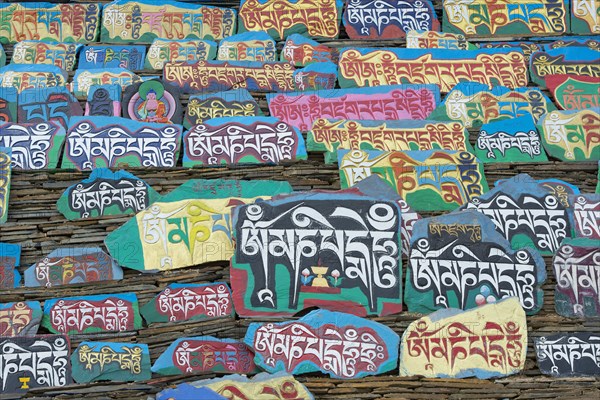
(108,361)
(574,92)
(5,161)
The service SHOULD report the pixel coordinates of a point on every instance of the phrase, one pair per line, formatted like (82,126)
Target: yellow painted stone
(484,342)
(262,387)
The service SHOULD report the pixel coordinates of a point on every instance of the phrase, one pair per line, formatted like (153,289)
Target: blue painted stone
(109,361)
(556,61)
(20,319)
(65,266)
(44,105)
(302,51)
(8,104)
(40,76)
(163,51)
(2,56)
(112,56)
(185,391)
(489,269)
(298,347)
(571,41)
(316,76)
(231,103)
(558,188)
(10,258)
(103,101)
(525,213)
(84,79)
(248,46)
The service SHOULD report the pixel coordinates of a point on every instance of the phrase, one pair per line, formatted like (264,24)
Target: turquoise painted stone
(109,361)
(302,51)
(8,104)
(185,391)
(580,61)
(10,258)
(489,269)
(163,51)
(63,55)
(84,79)
(247,46)
(44,105)
(560,189)
(296,347)
(232,103)
(112,56)
(316,76)
(20,319)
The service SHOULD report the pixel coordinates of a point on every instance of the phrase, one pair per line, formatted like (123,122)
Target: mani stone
(5,169)
(201,354)
(486,342)
(286,346)
(317,76)
(458,260)
(189,302)
(586,213)
(185,391)
(62,55)
(10,256)
(84,79)
(560,189)
(568,354)
(22,77)
(106,193)
(302,51)
(153,100)
(71,265)
(525,213)
(514,140)
(108,361)
(247,46)
(111,56)
(20,319)
(8,104)
(163,51)
(423,39)
(581,60)
(231,103)
(34,146)
(45,105)
(190,225)
(103,101)
(577,270)
(574,92)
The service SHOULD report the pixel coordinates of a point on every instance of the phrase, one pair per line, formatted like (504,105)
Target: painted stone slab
(506,17)
(8,104)
(568,354)
(564,61)
(423,39)
(103,101)
(185,391)
(34,362)
(489,269)
(71,265)
(189,302)
(231,103)
(429,180)
(585,16)
(142,21)
(247,46)
(152,101)
(74,22)
(5,168)
(211,76)
(106,193)
(10,256)
(242,140)
(194,355)
(302,51)
(188,226)
(560,189)
(92,314)
(372,20)
(21,76)
(512,140)
(574,41)
(329,135)
(321,76)
(586,214)
(281,18)
(163,51)
(286,346)
(263,386)
(114,362)
(34,146)
(2,56)
(110,142)
(44,105)
(20,319)
(84,79)
(574,92)
(475,104)
(301,109)
(486,342)
(576,266)
(62,55)
(359,67)
(269,282)
(111,56)
(572,135)
(525,213)
(528,48)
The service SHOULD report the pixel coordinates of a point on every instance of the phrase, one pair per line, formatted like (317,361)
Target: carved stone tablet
(424,39)
(114,362)
(564,61)
(69,265)
(232,103)
(394,102)
(34,146)
(23,77)
(486,342)
(322,267)
(109,142)
(361,67)
(429,180)
(247,46)
(62,55)
(585,16)
(125,21)
(84,79)
(20,319)
(590,42)
(10,255)
(459,261)
(570,354)
(152,101)
(111,56)
(242,140)
(45,105)
(586,214)
(189,302)
(163,51)
(34,362)
(8,104)
(302,51)
(5,168)
(103,101)
(528,48)
(574,92)
(190,225)
(92,314)
(321,76)
(193,355)
(310,342)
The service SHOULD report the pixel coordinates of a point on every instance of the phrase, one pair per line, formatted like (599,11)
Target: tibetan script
(163,51)
(574,92)
(419,39)
(84,79)
(22,77)
(585,16)
(572,135)
(62,55)
(97,56)
(248,46)
(5,169)
(570,354)
(575,61)
(232,103)
(34,146)
(20,319)
(586,213)
(117,362)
